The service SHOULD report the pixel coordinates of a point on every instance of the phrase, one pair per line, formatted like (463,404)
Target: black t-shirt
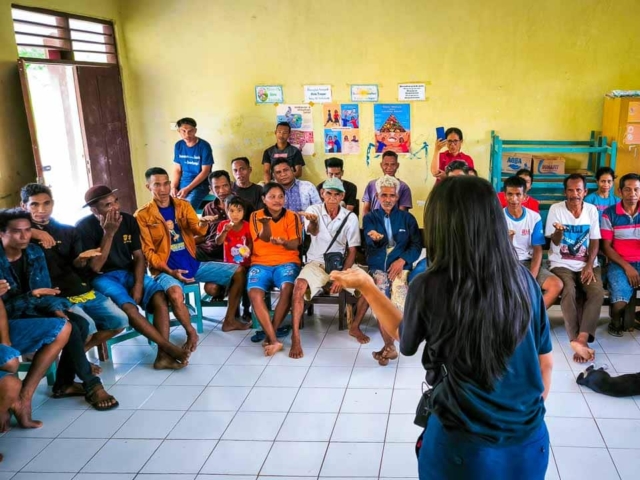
(19,267)
(291,153)
(60,258)
(350,192)
(252,195)
(125,241)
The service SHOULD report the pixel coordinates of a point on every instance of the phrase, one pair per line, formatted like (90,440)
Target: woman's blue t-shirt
(515,408)
(192,159)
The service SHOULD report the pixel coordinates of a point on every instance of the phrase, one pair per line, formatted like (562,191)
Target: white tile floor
(235,415)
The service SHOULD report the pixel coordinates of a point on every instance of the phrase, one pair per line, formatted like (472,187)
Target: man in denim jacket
(31,297)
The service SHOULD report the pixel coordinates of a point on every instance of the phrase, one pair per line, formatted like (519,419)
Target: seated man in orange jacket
(167,230)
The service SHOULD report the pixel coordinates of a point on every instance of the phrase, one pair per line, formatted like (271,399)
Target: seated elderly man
(393,244)
(299,194)
(168,227)
(335,234)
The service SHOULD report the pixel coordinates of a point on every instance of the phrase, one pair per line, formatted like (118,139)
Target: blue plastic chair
(51,371)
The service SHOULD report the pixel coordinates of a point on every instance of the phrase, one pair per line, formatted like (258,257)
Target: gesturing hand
(277,240)
(264,220)
(440,144)
(309,216)
(179,275)
(208,219)
(353,278)
(45,292)
(94,252)
(375,236)
(228,227)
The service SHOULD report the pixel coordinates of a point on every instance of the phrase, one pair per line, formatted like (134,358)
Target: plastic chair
(51,371)
(195,309)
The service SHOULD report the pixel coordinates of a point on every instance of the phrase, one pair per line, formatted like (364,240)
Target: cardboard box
(512,162)
(548,164)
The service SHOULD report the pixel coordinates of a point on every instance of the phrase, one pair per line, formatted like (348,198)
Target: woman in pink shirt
(453,141)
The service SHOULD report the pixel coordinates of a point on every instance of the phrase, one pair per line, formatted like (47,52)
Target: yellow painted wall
(526,69)
(16,154)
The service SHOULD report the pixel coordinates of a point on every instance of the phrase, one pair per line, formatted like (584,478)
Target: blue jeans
(265,277)
(101,314)
(447,455)
(214,272)
(197,195)
(117,284)
(620,289)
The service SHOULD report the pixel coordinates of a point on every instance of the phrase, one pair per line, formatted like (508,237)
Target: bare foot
(583,353)
(22,411)
(96,369)
(192,342)
(356,333)
(5,420)
(230,325)
(165,362)
(180,355)
(272,349)
(296,349)
(266,342)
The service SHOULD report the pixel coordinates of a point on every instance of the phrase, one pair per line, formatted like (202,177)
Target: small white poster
(411,92)
(317,94)
(364,93)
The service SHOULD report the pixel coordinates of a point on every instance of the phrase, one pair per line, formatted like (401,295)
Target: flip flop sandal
(92,400)
(60,393)
(283,331)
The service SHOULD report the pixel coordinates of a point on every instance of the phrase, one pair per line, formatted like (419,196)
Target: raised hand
(227,227)
(208,219)
(352,278)
(309,216)
(278,240)
(111,221)
(264,220)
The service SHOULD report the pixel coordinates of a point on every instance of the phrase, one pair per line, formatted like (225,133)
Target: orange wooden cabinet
(621,123)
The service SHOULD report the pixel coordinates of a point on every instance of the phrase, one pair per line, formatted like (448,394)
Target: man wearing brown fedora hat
(119,272)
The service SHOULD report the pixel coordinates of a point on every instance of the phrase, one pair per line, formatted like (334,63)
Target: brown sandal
(92,399)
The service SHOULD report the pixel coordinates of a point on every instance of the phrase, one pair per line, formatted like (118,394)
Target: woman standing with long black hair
(488,349)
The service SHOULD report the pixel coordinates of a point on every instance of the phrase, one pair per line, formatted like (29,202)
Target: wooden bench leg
(103,352)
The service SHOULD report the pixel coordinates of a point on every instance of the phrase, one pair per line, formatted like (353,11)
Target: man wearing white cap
(335,234)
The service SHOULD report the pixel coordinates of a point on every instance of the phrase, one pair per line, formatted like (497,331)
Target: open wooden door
(26,96)
(102,114)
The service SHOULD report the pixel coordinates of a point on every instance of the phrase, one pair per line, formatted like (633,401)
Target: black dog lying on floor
(600,381)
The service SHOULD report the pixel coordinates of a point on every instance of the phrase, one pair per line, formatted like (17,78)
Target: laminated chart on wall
(341,128)
(300,118)
(392,124)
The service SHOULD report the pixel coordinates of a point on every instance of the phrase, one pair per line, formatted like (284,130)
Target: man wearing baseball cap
(335,234)
(119,272)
